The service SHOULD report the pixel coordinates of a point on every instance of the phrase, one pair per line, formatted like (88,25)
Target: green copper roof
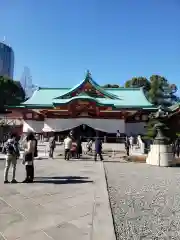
(116,97)
(126,98)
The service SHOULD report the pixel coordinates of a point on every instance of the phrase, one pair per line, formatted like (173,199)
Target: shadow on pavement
(62,180)
(114,161)
(62,177)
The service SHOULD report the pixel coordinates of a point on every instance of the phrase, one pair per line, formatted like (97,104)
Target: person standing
(12,153)
(67,147)
(79,147)
(98,149)
(29,151)
(52,145)
(118,136)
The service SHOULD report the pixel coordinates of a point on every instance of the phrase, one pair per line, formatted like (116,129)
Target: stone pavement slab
(68,200)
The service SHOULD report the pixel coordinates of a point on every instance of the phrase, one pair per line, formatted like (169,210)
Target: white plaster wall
(106,125)
(135,128)
(32,125)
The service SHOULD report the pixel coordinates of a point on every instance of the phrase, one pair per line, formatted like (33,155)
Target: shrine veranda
(87,104)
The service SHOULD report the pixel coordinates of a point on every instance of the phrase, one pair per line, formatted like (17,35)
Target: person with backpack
(12,153)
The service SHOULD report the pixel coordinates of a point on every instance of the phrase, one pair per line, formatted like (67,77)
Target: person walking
(79,147)
(98,149)
(67,147)
(29,150)
(12,153)
(89,146)
(52,145)
(177,146)
(127,145)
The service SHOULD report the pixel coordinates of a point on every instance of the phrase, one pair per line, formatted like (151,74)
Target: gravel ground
(145,201)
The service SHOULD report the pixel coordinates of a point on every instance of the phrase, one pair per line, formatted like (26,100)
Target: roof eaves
(122,89)
(37,106)
(136,107)
(15,106)
(98,101)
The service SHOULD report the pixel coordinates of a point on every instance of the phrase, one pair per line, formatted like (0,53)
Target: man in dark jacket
(127,145)
(98,149)
(177,146)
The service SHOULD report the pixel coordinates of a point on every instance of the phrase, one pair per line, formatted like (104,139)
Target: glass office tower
(6,61)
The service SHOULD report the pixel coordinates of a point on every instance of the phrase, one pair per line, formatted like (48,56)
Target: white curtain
(33,126)
(105,125)
(59,125)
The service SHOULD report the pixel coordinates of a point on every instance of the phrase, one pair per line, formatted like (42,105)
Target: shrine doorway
(86,132)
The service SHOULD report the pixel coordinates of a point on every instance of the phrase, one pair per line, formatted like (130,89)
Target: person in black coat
(127,145)
(79,147)
(177,147)
(98,149)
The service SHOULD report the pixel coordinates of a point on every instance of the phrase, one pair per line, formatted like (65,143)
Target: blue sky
(115,39)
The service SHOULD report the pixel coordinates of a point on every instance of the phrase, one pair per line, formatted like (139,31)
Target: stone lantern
(160,153)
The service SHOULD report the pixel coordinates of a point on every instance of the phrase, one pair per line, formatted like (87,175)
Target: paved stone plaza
(145,201)
(68,200)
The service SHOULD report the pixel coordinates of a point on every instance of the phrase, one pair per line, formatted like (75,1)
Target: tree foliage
(111,86)
(170,131)
(157,88)
(137,82)
(11,92)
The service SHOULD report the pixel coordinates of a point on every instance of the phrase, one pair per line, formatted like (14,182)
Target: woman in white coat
(29,150)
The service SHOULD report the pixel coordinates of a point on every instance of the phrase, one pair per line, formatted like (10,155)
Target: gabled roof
(88,79)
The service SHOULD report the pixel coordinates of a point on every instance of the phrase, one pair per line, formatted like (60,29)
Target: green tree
(11,92)
(137,82)
(161,91)
(150,130)
(158,89)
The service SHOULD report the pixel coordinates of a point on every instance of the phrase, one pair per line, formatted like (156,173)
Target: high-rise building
(6,60)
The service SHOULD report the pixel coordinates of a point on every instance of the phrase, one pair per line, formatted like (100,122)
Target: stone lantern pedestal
(161,153)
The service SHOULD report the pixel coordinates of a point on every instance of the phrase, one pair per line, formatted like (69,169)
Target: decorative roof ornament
(88,75)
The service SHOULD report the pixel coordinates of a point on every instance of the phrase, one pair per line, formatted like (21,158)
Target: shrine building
(86,104)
